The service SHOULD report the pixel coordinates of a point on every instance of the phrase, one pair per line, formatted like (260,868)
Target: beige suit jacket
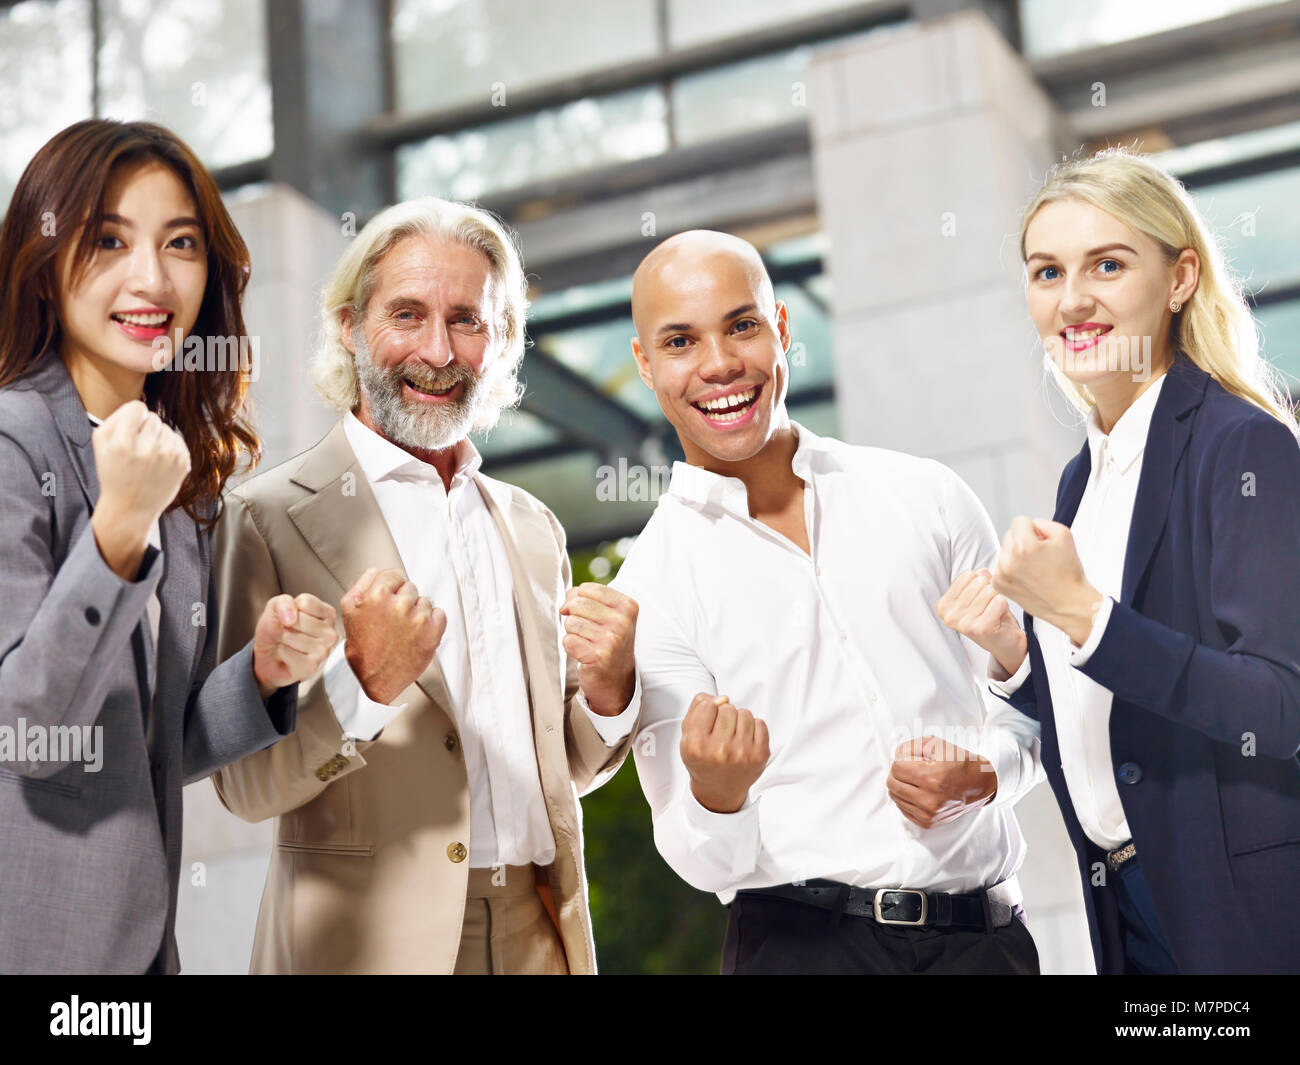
(369,869)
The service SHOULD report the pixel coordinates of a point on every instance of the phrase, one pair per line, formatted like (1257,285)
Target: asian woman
(115,254)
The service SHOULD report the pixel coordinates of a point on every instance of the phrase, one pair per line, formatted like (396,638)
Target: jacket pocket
(356,850)
(40,783)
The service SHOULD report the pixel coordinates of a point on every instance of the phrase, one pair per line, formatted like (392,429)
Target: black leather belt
(976,912)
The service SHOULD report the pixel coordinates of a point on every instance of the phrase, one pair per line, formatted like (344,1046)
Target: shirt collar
(1128,436)
(381,459)
(699,487)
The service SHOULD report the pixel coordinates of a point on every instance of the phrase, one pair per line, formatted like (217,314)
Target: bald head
(681,266)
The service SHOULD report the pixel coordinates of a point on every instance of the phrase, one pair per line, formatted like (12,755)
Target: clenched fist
(933,782)
(392,633)
(294,636)
(725,750)
(600,631)
(973,608)
(1039,568)
(140,463)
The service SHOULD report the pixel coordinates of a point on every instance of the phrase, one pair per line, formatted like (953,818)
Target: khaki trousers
(507,930)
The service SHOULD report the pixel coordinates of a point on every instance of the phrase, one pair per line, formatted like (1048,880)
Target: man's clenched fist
(599,631)
(972,607)
(294,636)
(934,782)
(392,633)
(724,749)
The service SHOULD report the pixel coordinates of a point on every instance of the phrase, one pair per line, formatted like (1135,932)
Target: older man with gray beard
(426,805)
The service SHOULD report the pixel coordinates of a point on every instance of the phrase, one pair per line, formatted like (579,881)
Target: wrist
(717,802)
(611,706)
(1010,654)
(1076,615)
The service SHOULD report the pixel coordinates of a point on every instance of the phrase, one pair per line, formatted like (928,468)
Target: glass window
(1053,27)
(1224,151)
(1258,224)
(448,52)
(734,99)
(1279,329)
(199,69)
(516,431)
(45,68)
(520,151)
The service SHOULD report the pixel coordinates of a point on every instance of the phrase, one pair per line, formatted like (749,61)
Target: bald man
(816,746)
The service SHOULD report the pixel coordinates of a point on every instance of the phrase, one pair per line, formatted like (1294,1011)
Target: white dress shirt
(1080,705)
(452,552)
(842,654)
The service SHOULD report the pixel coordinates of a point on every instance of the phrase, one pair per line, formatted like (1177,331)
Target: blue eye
(1113,262)
(1042,274)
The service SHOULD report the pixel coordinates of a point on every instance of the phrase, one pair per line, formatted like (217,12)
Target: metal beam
(328,73)
(571,403)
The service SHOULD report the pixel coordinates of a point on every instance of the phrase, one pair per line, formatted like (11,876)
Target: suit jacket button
(92,615)
(322,773)
(457,852)
(1129,773)
(451,742)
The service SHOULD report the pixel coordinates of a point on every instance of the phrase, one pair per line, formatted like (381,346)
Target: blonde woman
(1161,647)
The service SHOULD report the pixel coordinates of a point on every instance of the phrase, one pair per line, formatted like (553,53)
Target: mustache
(428,377)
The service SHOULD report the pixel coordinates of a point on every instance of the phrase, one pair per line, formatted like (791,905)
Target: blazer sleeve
(1248,694)
(591,760)
(282,777)
(225,717)
(65,627)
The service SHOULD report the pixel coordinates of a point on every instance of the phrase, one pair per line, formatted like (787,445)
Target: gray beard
(409,423)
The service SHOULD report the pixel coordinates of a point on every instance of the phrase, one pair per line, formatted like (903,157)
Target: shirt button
(450,742)
(457,852)
(92,615)
(1129,773)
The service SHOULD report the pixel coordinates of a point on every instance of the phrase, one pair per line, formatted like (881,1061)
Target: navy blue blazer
(1202,653)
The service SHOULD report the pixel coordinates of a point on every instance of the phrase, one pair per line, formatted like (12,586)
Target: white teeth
(1086,335)
(142,319)
(726,403)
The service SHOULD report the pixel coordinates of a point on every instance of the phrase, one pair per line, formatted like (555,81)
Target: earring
(1175,306)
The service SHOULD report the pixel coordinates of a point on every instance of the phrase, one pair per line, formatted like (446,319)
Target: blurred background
(877,153)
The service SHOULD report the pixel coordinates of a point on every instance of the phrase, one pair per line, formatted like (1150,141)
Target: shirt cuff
(614,730)
(358,715)
(1007,688)
(1079,656)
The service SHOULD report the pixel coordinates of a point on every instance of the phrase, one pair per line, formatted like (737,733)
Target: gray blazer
(90,861)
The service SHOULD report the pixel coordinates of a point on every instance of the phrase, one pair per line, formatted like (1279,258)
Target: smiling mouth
(154,322)
(1083,337)
(433,392)
(731,408)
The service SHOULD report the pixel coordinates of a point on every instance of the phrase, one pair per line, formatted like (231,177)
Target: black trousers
(771,936)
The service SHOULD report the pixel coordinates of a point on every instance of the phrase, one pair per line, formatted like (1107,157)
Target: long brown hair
(59,199)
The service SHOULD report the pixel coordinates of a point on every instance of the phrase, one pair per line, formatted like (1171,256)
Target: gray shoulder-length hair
(352,283)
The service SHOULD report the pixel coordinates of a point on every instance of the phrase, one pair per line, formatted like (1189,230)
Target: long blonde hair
(1215,328)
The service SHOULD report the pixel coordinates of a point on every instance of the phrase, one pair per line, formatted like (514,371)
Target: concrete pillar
(926,145)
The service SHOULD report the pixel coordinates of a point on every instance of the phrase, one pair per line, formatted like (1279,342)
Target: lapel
(54,383)
(342,523)
(528,537)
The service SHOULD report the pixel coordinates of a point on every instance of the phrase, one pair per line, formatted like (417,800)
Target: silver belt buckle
(875,905)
